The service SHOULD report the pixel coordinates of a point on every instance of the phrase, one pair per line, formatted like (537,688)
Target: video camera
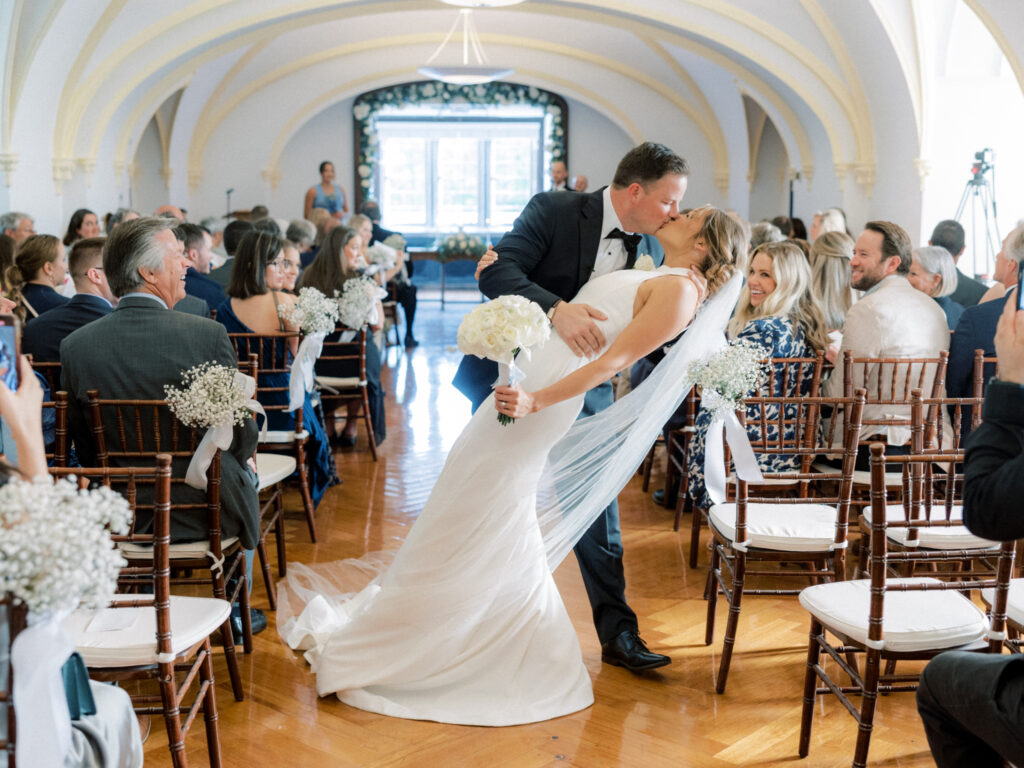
(982,163)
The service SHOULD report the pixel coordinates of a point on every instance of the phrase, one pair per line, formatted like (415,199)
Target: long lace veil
(595,460)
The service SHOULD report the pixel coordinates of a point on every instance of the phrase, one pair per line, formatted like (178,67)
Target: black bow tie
(630,241)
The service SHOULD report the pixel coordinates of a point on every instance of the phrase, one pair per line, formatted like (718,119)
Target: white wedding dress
(466,625)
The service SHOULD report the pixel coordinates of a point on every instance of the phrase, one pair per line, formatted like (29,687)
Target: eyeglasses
(278,263)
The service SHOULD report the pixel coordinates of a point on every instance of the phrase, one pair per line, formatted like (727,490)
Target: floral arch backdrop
(367,105)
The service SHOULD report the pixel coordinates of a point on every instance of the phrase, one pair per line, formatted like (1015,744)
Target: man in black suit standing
(92,300)
(560,241)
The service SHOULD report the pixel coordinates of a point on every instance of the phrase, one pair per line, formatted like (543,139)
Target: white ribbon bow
(221,435)
(40,705)
(714,450)
(303,376)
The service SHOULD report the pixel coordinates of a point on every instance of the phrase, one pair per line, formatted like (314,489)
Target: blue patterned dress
(784,339)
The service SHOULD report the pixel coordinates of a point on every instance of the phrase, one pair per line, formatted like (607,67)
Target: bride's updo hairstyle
(726,240)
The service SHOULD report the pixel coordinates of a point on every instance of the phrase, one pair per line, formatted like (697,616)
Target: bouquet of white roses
(461,246)
(55,547)
(210,397)
(358,302)
(729,375)
(312,312)
(500,329)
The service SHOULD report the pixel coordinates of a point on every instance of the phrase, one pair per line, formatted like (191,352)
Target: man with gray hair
(764,232)
(143,346)
(18,226)
(977,326)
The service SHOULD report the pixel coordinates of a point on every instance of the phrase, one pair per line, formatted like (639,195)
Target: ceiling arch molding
(1001,39)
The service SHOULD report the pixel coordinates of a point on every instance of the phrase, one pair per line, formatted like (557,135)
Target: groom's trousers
(599,552)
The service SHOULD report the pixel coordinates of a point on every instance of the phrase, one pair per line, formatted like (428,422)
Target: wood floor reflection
(668,718)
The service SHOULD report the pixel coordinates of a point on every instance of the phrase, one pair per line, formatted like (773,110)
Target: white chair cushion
(340,382)
(186,550)
(951,537)
(911,621)
(786,527)
(283,436)
(273,468)
(192,619)
(861,476)
(1014,600)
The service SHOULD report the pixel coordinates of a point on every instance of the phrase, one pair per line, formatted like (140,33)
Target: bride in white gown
(466,624)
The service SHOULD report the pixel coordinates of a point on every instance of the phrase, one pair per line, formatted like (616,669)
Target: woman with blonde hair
(934,273)
(40,268)
(776,311)
(828,220)
(830,283)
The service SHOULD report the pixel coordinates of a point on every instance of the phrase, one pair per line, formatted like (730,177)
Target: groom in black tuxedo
(559,242)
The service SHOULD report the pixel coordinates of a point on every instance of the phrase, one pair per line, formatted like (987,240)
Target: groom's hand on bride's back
(575,324)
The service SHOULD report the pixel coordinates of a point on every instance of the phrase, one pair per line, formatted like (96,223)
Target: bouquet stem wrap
(44,723)
(509,374)
(303,376)
(714,450)
(220,436)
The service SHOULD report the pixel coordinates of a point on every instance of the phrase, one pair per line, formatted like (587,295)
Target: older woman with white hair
(934,273)
(827,220)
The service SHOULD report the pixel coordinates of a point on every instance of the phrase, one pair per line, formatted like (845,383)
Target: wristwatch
(551,311)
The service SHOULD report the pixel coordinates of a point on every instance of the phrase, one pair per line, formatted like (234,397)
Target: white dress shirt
(611,251)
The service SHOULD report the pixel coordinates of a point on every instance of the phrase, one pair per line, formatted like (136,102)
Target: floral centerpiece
(729,375)
(357,305)
(56,553)
(461,246)
(501,329)
(312,312)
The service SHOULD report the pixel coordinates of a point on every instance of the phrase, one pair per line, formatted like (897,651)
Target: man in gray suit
(140,347)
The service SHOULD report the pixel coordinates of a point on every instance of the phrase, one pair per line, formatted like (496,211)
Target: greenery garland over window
(367,105)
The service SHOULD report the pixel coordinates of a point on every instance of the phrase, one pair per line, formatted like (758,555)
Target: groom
(559,242)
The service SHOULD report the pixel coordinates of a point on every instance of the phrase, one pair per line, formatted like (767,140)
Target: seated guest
(118,217)
(141,347)
(949,234)
(830,285)
(199,252)
(215,226)
(324,223)
(40,268)
(233,234)
(799,230)
(255,293)
(785,226)
(92,300)
(764,232)
(18,226)
(337,262)
(7,249)
(170,212)
(301,233)
(290,266)
(893,319)
(971,702)
(977,326)
(934,273)
(268,225)
(397,279)
(828,220)
(777,311)
(84,223)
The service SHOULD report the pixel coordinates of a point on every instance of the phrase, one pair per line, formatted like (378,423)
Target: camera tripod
(981,195)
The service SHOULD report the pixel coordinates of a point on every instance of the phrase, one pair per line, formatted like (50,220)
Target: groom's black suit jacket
(548,255)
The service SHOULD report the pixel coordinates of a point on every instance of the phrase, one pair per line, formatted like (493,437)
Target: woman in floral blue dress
(776,311)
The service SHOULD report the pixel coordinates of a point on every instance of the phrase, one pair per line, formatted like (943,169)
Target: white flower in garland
(644,262)
(729,375)
(358,302)
(312,312)
(209,397)
(55,547)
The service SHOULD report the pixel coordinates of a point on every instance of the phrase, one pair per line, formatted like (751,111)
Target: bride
(466,624)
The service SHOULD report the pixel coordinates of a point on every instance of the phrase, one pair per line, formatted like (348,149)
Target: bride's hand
(514,402)
(702,286)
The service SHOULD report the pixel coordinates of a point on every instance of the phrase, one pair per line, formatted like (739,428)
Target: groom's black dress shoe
(628,650)
(256,616)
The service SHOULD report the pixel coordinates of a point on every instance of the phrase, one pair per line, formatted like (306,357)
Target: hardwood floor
(671,717)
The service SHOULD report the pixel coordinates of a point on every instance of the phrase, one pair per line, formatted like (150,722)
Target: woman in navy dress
(40,268)
(775,310)
(254,296)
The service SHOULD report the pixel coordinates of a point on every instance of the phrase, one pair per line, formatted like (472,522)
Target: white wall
(596,145)
(769,195)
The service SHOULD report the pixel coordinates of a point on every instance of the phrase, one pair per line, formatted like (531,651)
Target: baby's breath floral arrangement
(461,246)
(500,329)
(357,304)
(729,375)
(56,553)
(644,262)
(312,312)
(209,397)
(381,256)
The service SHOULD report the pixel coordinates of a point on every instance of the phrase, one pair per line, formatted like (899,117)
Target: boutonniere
(644,262)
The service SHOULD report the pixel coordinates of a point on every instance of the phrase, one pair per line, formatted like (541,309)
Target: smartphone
(1020,285)
(9,349)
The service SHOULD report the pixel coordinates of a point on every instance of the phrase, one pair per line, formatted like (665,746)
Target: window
(437,173)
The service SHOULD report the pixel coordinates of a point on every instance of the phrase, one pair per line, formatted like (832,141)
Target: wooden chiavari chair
(130,432)
(338,390)
(168,634)
(13,619)
(58,401)
(808,527)
(677,451)
(888,619)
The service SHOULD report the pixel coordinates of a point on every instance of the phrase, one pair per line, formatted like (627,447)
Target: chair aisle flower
(357,305)
(499,330)
(312,312)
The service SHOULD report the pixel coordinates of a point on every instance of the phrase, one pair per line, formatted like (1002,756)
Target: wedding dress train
(466,624)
